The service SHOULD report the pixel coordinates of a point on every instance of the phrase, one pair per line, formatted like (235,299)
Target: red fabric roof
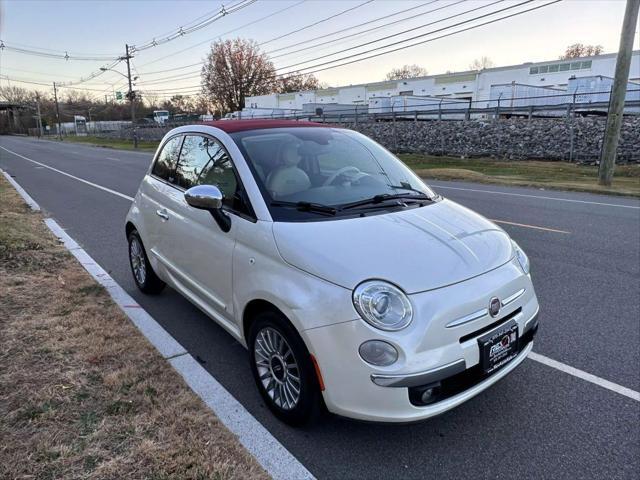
(231,126)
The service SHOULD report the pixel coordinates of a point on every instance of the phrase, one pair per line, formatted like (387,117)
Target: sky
(102,28)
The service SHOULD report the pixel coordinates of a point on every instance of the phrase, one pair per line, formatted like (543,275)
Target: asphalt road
(538,422)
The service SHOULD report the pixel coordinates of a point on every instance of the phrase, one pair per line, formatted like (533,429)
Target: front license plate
(499,347)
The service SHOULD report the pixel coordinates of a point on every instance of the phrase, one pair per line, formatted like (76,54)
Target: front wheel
(144,276)
(283,370)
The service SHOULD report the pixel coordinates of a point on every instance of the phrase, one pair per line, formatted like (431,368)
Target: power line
(421,42)
(405,46)
(354,26)
(449,5)
(316,23)
(221,35)
(411,30)
(182,31)
(49,54)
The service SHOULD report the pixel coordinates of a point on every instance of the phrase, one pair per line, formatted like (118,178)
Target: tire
(271,338)
(144,276)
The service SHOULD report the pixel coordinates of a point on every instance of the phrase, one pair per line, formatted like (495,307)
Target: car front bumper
(430,354)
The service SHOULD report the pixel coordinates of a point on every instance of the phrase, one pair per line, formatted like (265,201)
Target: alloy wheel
(277,368)
(138,264)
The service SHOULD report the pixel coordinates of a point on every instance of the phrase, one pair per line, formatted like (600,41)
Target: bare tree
(16,94)
(295,82)
(481,63)
(406,71)
(581,50)
(234,70)
(151,98)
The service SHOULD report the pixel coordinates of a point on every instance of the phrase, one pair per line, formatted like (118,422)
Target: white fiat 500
(352,284)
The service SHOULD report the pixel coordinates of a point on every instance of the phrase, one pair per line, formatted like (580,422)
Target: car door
(154,190)
(199,254)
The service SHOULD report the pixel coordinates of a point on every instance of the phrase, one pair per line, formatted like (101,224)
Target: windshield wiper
(307,207)
(376,199)
(405,186)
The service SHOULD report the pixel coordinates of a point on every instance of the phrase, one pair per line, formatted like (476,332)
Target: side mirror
(209,197)
(204,197)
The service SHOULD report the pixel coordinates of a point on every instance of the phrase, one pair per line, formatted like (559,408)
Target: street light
(104,69)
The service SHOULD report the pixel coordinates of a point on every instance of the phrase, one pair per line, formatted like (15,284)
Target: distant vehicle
(80,125)
(349,280)
(160,116)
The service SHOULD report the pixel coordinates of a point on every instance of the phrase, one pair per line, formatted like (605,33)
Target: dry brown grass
(82,393)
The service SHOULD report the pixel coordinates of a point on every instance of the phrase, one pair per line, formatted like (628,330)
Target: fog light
(425,395)
(428,395)
(379,353)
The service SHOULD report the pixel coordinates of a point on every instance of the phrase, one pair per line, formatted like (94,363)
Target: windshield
(325,167)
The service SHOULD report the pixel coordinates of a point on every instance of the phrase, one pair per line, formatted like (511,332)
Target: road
(537,422)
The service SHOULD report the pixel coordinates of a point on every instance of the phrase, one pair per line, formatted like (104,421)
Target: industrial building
(585,80)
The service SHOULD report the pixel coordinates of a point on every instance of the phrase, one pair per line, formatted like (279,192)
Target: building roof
(231,126)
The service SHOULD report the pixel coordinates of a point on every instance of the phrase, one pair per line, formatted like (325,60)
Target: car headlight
(523,260)
(382,305)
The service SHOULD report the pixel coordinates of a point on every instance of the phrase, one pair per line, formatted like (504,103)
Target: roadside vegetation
(539,174)
(121,144)
(82,393)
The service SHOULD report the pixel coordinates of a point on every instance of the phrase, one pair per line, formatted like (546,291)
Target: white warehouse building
(558,76)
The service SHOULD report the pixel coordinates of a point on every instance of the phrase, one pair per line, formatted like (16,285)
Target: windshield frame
(289,213)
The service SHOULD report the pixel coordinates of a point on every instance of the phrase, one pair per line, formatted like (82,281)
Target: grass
(83,393)
(120,144)
(539,174)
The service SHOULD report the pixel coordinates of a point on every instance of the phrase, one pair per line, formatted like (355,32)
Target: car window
(196,153)
(166,162)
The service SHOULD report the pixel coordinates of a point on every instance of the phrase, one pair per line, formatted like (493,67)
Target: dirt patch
(82,393)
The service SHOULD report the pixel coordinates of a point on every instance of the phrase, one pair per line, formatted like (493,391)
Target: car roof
(231,126)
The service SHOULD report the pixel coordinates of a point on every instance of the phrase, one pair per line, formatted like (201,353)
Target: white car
(352,284)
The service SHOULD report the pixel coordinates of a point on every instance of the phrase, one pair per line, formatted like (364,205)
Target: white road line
(279,463)
(524,225)
(614,387)
(95,185)
(113,158)
(570,200)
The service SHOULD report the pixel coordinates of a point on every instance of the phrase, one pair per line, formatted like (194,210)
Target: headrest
(289,155)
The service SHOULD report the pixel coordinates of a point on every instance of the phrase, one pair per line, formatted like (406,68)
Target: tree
(234,70)
(481,63)
(406,71)
(581,50)
(295,82)
(16,94)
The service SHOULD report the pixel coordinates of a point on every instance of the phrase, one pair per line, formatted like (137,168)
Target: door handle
(162,214)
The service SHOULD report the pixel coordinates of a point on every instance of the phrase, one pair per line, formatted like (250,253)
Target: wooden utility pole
(132,98)
(39,116)
(55,96)
(618,93)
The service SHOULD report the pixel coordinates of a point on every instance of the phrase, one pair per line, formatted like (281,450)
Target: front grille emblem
(494,306)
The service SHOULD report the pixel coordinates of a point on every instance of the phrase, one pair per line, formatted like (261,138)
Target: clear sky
(103,27)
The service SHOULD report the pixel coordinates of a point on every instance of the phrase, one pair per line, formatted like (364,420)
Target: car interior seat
(288,178)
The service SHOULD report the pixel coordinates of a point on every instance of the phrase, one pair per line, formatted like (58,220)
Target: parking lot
(541,421)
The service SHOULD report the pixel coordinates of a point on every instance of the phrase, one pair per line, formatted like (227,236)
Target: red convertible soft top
(231,126)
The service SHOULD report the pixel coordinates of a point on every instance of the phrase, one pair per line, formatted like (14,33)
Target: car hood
(417,249)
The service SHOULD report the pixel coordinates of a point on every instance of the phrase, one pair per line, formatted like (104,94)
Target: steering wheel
(342,171)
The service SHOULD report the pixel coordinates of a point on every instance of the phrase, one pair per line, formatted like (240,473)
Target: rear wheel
(283,370)
(144,276)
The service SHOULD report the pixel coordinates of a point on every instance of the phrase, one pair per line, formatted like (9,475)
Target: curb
(265,448)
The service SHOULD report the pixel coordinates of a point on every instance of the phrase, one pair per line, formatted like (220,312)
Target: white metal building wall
(471,84)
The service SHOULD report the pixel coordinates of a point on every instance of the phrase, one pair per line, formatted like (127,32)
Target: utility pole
(39,116)
(55,96)
(618,93)
(132,98)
